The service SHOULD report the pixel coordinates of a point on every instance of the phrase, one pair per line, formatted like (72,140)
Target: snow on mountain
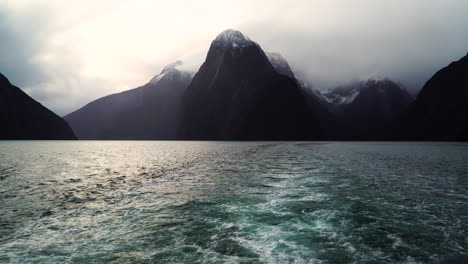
(342,94)
(173,66)
(233,41)
(346,99)
(346,94)
(238,94)
(280,64)
(157,78)
(234,38)
(151,111)
(169,72)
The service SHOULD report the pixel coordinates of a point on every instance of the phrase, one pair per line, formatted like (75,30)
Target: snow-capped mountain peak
(169,72)
(231,41)
(172,66)
(233,37)
(346,94)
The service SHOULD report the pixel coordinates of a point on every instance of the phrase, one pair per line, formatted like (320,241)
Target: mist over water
(212,202)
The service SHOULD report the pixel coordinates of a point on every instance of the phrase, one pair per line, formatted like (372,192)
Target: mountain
(317,104)
(377,101)
(314,98)
(342,95)
(440,111)
(365,110)
(149,112)
(239,95)
(21,117)
(280,64)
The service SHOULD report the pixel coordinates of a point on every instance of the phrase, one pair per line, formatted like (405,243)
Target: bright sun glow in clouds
(67,53)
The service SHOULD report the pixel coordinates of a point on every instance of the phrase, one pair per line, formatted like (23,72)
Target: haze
(68,53)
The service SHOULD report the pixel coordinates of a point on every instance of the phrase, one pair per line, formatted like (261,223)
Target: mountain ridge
(23,118)
(234,95)
(440,111)
(241,92)
(147,112)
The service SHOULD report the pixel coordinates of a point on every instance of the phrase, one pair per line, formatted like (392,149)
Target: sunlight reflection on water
(273,202)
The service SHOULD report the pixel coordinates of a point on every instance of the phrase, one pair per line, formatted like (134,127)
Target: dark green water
(231,202)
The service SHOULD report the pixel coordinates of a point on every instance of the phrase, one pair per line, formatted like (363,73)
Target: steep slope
(366,110)
(238,95)
(280,64)
(374,108)
(21,117)
(440,111)
(326,121)
(148,112)
(376,101)
(342,94)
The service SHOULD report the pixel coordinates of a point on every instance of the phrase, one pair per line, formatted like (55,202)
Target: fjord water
(218,202)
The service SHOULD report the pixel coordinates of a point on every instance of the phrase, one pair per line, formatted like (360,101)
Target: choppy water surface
(212,202)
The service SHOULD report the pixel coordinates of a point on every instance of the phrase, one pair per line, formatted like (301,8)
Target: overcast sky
(67,53)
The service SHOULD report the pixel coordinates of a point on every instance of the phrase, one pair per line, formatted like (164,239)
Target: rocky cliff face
(239,95)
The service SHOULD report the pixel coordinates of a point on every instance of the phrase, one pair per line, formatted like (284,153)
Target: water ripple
(232,202)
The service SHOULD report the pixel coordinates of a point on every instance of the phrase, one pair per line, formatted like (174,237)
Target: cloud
(38,56)
(19,46)
(68,53)
(405,40)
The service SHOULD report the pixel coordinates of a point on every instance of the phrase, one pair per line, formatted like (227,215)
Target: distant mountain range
(21,117)
(366,110)
(243,93)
